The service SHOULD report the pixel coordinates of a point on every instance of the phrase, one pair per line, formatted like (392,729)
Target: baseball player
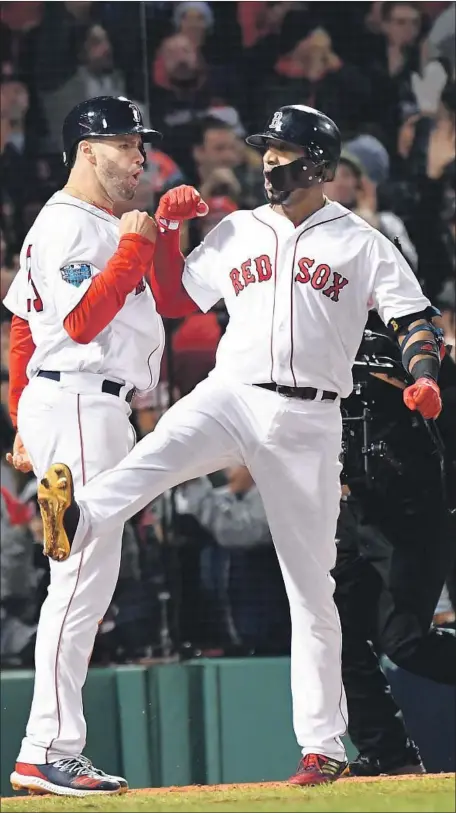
(85,333)
(298,276)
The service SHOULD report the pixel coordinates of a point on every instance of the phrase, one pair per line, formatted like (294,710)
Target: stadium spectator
(261,20)
(215,147)
(440,42)
(224,165)
(308,69)
(185,88)
(194,20)
(219,207)
(58,57)
(19,24)
(423,189)
(194,344)
(244,573)
(96,75)
(20,539)
(392,60)
(363,168)
(19,158)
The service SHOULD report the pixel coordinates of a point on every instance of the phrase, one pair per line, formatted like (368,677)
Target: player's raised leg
(297,472)
(199,434)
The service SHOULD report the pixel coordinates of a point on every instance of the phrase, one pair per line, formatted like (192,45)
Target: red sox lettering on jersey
(323,279)
(297,297)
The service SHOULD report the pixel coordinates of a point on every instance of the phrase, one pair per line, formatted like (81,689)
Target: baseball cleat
(120,779)
(73,776)
(59,512)
(316,769)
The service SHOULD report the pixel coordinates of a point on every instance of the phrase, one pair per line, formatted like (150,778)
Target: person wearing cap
(194,20)
(364,167)
(85,334)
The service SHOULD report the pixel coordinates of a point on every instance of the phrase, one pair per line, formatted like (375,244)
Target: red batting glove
(181,203)
(424,395)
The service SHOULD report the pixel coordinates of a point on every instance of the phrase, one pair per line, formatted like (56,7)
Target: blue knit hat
(181,8)
(372,155)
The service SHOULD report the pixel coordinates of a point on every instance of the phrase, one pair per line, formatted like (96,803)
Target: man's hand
(138,223)
(424,396)
(181,203)
(19,458)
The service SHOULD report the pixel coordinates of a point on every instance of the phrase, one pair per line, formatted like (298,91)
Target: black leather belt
(111,387)
(306,393)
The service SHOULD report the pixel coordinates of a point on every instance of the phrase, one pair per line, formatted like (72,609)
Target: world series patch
(76,273)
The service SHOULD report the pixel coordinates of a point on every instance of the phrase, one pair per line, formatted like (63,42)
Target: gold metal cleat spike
(55,493)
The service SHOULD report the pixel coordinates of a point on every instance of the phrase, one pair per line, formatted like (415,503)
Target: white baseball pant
(291,448)
(72,422)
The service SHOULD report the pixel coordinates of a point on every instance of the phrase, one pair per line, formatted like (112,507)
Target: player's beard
(116,181)
(276,198)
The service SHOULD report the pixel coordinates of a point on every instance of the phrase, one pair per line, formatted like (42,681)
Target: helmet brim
(260,139)
(149,135)
(146,133)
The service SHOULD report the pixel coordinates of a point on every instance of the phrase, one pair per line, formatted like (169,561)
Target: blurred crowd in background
(198,570)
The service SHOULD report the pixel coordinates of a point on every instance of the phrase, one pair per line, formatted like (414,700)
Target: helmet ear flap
(70,158)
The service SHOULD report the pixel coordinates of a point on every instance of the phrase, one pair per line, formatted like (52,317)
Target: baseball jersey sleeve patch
(76,273)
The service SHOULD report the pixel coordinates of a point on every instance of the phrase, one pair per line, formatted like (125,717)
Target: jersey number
(36,303)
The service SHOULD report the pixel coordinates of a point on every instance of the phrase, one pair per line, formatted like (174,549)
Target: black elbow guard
(427,366)
(429,348)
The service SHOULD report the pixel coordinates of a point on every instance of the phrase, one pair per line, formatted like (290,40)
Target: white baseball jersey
(69,243)
(298,298)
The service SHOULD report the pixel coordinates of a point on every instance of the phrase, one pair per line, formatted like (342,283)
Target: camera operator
(395,550)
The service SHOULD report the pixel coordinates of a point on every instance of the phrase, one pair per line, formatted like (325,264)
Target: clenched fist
(181,203)
(424,396)
(138,223)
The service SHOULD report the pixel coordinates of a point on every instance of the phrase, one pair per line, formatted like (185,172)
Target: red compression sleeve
(109,289)
(165,277)
(21,351)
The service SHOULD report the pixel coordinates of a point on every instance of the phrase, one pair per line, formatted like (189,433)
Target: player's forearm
(165,278)
(21,351)
(109,289)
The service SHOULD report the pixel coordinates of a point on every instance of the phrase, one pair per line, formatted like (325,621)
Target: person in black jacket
(395,550)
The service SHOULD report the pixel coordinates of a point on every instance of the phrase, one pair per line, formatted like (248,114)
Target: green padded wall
(200,722)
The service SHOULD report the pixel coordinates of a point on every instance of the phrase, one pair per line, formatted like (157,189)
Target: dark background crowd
(198,570)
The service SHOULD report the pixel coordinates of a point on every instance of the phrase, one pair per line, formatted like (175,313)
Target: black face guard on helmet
(303,173)
(315,133)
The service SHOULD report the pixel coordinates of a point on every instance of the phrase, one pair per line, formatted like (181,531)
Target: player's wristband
(168,225)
